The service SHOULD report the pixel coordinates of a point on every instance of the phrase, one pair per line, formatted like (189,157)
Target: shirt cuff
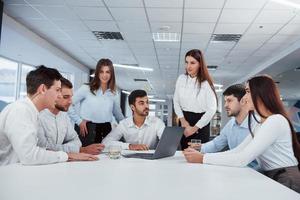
(125,146)
(63,157)
(79,121)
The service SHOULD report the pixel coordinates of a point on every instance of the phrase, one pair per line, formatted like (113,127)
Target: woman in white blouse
(273,143)
(195,101)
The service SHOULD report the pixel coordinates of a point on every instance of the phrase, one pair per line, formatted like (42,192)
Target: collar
(244,123)
(132,124)
(31,104)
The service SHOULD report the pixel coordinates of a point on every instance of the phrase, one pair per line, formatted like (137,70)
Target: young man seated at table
(236,129)
(56,132)
(140,131)
(19,122)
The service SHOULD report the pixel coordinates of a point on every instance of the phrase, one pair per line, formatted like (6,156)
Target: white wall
(21,44)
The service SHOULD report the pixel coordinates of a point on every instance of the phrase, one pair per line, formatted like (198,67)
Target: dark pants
(96,132)
(288,176)
(202,134)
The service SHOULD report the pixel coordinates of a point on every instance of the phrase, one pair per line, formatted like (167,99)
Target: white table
(137,179)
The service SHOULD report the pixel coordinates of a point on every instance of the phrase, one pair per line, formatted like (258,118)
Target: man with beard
(56,132)
(140,131)
(236,130)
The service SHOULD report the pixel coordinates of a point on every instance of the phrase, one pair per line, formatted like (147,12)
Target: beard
(60,108)
(232,113)
(144,113)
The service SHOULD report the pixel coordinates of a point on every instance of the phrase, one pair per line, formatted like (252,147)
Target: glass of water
(114,151)
(196,144)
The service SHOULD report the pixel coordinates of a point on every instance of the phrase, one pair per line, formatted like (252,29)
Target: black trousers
(202,134)
(96,132)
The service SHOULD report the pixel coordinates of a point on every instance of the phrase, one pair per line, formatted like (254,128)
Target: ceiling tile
(81,35)
(167,45)
(264,28)
(133,26)
(231,28)
(92,13)
(124,4)
(57,12)
(22,11)
(140,45)
(187,37)
(136,36)
(97,25)
(245,4)
(284,38)
(278,6)
(128,14)
(70,25)
(237,16)
(8,2)
(274,16)
(165,15)
(95,3)
(258,38)
(42,2)
(201,15)
(290,29)
(164,3)
(38,24)
(198,27)
(204,3)
(171,27)
(192,45)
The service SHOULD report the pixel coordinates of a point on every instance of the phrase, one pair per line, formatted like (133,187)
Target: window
(8,80)
(24,72)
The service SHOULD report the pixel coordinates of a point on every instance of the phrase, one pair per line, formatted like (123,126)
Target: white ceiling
(267,29)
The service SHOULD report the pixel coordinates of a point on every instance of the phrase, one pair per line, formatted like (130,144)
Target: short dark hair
(41,75)
(237,90)
(135,94)
(66,83)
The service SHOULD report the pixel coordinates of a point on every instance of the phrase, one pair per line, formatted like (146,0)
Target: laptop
(166,147)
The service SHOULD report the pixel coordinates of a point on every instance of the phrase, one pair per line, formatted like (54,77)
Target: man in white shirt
(19,122)
(56,132)
(140,132)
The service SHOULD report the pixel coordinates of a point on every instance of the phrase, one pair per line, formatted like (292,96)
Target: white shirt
(271,146)
(18,136)
(189,97)
(56,132)
(149,133)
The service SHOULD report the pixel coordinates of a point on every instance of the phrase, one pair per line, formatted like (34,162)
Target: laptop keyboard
(139,155)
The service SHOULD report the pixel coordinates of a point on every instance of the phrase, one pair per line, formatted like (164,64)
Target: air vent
(297,69)
(212,67)
(140,80)
(100,35)
(226,37)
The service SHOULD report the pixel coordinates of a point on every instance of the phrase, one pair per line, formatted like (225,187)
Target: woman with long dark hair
(273,143)
(98,105)
(195,100)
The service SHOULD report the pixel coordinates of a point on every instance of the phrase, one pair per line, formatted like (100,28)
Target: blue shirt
(231,135)
(98,108)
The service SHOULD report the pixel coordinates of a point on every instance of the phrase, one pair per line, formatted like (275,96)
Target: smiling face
(192,66)
(104,75)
